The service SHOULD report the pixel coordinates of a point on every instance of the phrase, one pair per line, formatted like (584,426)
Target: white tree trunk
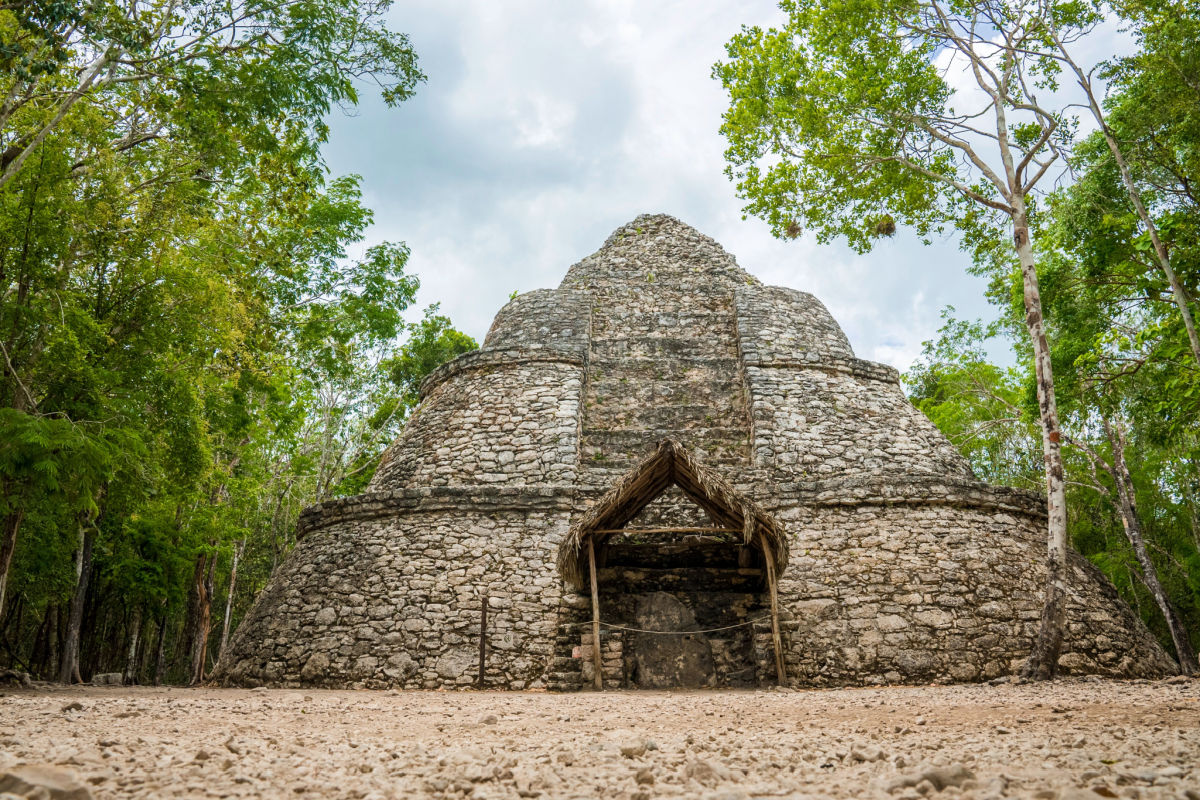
(135,634)
(237,552)
(1043,660)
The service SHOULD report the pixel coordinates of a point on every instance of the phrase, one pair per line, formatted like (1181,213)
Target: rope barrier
(686,633)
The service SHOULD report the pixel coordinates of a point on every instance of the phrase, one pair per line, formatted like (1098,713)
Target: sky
(543,126)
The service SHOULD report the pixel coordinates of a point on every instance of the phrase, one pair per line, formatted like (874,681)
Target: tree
(843,121)
(1118,369)
(1150,84)
(175,294)
(982,409)
(1114,343)
(247,64)
(431,342)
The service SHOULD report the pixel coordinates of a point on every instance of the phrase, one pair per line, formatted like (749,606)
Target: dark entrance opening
(681,571)
(682,603)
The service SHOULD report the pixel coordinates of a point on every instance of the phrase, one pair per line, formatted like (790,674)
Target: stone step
(648,322)
(618,414)
(664,347)
(563,682)
(713,446)
(658,553)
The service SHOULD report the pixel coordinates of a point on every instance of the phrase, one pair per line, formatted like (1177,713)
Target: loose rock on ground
(1068,740)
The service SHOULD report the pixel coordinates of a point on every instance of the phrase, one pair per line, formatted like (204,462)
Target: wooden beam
(599,678)
(667,530)
(780,670)
(483,609)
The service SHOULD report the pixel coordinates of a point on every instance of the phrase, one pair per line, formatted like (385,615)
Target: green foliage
(817,109)
(431,342)
(188,353)
(841,122)
(983,409)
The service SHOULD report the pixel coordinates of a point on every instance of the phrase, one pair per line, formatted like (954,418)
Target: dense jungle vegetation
(188,354)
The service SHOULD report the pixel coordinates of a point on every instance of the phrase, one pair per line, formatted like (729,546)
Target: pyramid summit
(756,505)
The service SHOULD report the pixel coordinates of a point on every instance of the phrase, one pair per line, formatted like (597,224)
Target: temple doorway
(681,570)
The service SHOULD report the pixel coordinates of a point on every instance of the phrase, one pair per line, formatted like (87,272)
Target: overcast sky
(545,125)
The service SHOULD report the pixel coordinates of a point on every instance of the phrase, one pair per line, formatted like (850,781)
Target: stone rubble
(1070,740)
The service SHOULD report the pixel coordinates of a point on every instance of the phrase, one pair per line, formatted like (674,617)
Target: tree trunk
(69,668)
(8,546)
(1043,660)
(131,662)
(161,650)
(53,637)
(41,644)
(201,616)
(209,590)
(1135,196)
(1127,503)
(237,552)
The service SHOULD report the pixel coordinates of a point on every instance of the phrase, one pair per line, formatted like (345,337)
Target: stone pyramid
(901,567)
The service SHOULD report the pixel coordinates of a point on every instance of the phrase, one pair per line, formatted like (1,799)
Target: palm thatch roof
(669,464)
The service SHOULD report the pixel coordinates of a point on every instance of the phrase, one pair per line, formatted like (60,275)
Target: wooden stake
(599,679)
(780,670)
(483,609)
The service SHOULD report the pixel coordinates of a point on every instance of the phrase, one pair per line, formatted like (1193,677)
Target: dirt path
(1073,740)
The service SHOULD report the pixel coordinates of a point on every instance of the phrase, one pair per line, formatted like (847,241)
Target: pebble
(633,750)
(815,743)
(705,772)
(938,778)
(43,782)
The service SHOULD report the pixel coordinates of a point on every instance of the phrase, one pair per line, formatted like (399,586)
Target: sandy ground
(1071,740)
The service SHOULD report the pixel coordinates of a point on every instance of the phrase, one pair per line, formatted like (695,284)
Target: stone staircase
(678,378)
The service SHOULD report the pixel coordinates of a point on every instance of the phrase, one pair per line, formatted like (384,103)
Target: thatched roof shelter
(669,464)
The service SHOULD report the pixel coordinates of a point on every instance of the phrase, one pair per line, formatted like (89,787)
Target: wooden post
(780,670)
(483,609)
(599,678)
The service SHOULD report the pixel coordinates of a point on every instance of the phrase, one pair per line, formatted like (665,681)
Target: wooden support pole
(483,609)
(599,678)
(780,670)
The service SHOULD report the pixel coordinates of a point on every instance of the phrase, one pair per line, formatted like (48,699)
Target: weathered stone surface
(902,567)
(43,782)
(663,662)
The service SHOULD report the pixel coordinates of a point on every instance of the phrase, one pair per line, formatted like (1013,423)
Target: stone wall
(495,420)
(395,599)
(817,410)
(892,594)
(663,359)
(778,325)
(545,319)
(817,422)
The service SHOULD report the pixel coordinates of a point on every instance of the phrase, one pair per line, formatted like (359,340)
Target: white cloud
(544,125)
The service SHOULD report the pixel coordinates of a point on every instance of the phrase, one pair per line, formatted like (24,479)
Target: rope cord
(686,633)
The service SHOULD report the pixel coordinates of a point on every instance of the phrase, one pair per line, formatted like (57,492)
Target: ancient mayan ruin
(757,505)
